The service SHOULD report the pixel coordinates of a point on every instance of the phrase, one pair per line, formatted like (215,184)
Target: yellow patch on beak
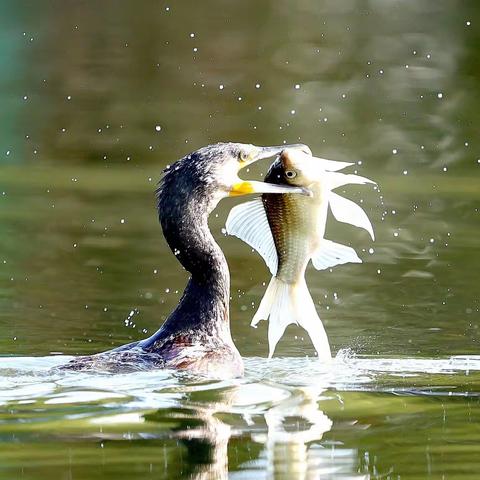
(241,188)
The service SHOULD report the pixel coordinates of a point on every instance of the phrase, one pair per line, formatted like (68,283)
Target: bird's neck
(204,306)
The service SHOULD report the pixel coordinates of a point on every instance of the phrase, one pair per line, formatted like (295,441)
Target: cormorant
(196,335)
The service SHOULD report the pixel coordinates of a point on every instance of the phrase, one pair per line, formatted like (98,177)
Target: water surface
(98,98)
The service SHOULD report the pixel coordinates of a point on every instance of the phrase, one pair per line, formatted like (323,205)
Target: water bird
(288,231)
(196,335)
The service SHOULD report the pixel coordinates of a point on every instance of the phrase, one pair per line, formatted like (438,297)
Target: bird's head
(215,169)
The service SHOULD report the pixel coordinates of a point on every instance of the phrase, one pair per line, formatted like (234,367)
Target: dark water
(97,97)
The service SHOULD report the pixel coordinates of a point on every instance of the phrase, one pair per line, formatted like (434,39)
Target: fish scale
(287,218)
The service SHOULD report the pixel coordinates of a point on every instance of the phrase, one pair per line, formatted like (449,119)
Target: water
(83,265)
(350,420)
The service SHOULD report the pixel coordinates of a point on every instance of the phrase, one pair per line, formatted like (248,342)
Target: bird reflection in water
(286,433)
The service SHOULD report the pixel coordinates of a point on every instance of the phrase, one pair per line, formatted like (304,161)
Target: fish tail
(286,303)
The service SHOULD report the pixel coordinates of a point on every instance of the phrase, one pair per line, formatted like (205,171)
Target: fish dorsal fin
(335,179)
(331,165)
(345,210)
(330,254)
(248,221)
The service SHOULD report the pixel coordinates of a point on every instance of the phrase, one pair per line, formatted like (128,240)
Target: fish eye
(243,155)
(290,174)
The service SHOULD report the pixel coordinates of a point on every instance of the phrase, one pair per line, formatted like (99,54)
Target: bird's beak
(251,186)
(267,152)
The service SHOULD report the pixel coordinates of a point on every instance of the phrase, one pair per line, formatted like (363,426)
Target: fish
(288,231)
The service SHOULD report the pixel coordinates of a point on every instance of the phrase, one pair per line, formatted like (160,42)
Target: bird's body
(196,335)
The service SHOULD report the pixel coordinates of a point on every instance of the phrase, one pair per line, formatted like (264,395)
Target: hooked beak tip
(307,192)
(267,152)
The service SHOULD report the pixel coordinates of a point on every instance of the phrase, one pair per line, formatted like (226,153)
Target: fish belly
(292,222)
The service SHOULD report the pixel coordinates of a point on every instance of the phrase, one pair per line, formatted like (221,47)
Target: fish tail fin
(285,303)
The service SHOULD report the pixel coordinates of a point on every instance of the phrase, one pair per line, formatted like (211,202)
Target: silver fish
(288,231)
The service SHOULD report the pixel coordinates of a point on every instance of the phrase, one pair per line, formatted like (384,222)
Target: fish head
(236,156)
(295,167)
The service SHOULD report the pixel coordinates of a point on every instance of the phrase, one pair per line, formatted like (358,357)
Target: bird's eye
(290,174)
(243,156)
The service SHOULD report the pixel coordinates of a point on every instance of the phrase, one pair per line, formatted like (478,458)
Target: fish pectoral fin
(330,254)
(346,211)
(248,221)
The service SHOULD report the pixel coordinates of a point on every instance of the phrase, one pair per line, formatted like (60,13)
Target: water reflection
(289,435)
(289,418)
(291,427)
(205,439)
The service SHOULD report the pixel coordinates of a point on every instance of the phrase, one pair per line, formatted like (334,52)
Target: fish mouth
(245,187)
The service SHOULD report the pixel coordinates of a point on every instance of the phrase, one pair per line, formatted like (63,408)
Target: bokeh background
(97,97)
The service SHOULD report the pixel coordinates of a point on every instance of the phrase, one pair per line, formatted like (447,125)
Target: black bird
(196,336)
